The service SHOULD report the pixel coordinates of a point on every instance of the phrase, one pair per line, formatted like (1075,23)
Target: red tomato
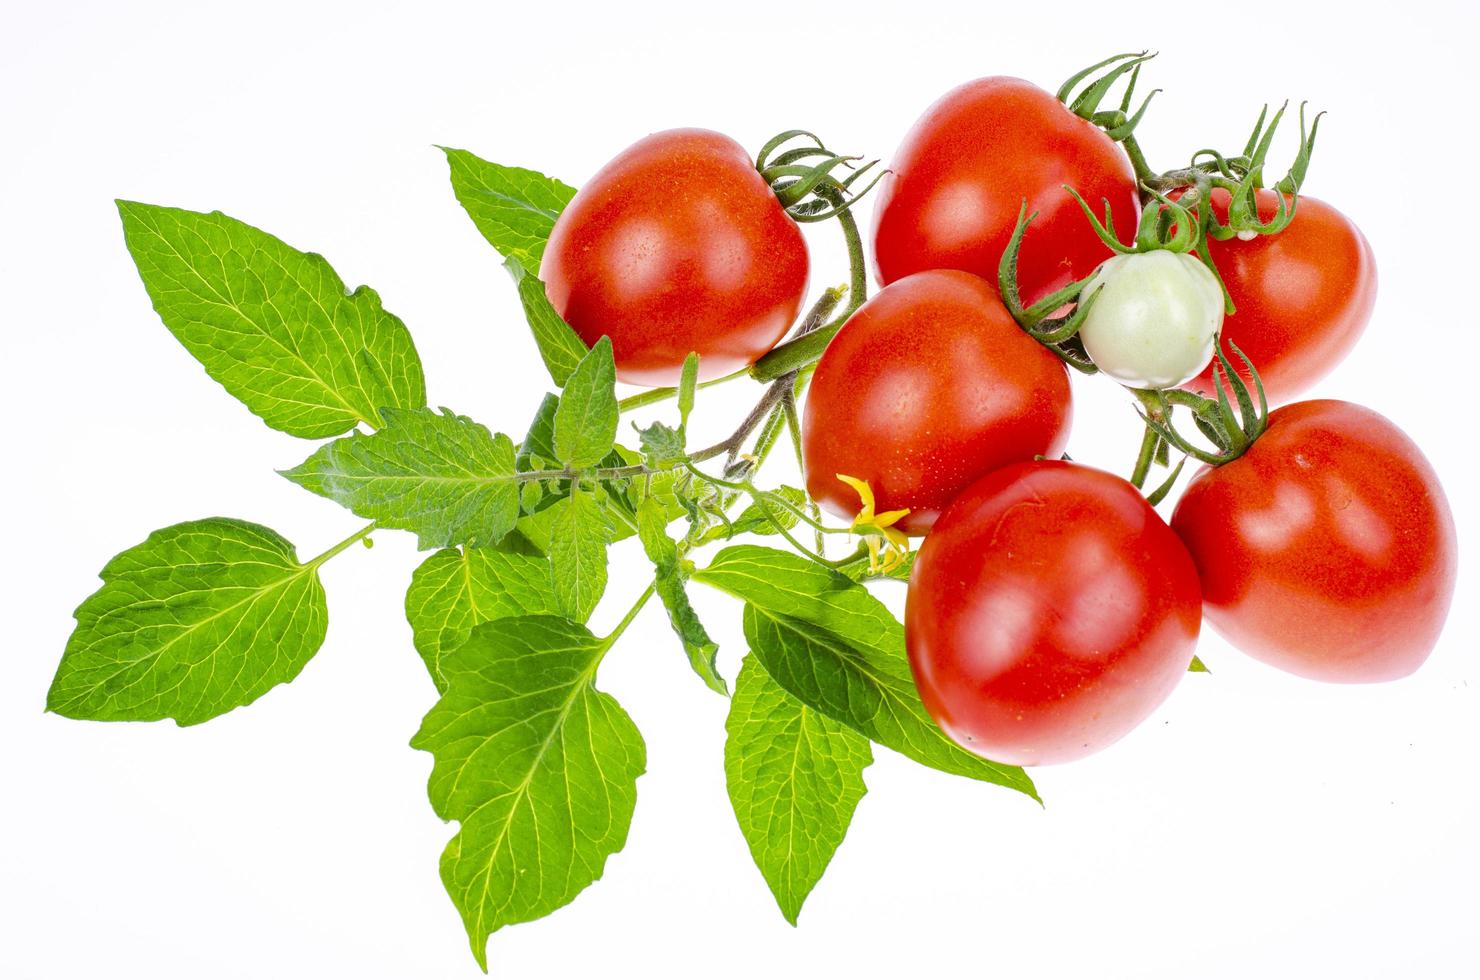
(1049,613)
(1304,295)
(928,386)
(677,245)
(1327,549)
(962,172)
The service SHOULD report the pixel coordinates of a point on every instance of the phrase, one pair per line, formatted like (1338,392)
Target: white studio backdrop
(1257,825)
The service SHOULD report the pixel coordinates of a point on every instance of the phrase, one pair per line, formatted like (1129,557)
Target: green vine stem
(1149,445)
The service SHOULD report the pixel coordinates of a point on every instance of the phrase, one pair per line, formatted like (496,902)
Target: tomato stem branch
(1150,443)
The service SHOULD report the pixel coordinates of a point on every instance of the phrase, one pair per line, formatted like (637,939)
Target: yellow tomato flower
(879,532)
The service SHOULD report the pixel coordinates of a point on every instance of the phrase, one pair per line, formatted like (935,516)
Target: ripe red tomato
(1304,295)
(1049,612)
(677,245)
(961,174)
(1327,549)
(928,386)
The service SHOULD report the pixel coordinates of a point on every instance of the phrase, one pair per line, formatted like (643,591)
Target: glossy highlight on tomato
(960,176)
(1303,296)
(677,245)
(1050,611)
(1327,549)
(928,386)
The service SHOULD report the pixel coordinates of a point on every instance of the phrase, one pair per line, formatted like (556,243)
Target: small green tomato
(1156,319)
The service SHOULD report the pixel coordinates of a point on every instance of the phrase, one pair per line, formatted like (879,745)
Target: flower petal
(865,493)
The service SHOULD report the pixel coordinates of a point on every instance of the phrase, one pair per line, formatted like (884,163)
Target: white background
(1258,825)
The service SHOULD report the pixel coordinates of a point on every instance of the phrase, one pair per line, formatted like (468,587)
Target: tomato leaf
(661,443)
(538,447)
(537,766)
(586,419)
(513,208)
(440,475)
(561,348)
(795,777)
(200,618)
(652,529)
(457,589)
(273,325)
(837,649)
(578,536)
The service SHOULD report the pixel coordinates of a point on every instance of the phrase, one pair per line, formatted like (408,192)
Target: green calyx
(1230,431)
(803,179)
(1058,333)
(1242,176)
(1118,123)
(1166,225)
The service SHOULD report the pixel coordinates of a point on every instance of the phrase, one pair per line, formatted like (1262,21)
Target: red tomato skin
(1328,549)
(961,174)
(1049,613)
(928,386)
(677,245)
(1303,296)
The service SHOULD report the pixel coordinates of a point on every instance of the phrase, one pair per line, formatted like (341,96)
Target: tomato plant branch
(1150,443)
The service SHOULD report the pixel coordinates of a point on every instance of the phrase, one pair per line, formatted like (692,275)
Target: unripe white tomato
(1156,319)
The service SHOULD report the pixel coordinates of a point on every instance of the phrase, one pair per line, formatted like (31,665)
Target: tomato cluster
(1050,608)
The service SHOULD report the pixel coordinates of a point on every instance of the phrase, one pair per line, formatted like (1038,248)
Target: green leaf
(586,420)
(457,589)
(835,647)
(538,767)
(273,325)
(1198,667)
(539,441)
(561,348)
(667,487)
(442,476)
(537,524)
(795,777)
(652,529)
(513,208)
(661,443)
(577,550)
(200,618)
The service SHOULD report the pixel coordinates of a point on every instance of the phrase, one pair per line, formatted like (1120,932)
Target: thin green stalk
(1144,173)
(654,395)
(794,427)
(1150,442)
(359,535)
(610,638)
